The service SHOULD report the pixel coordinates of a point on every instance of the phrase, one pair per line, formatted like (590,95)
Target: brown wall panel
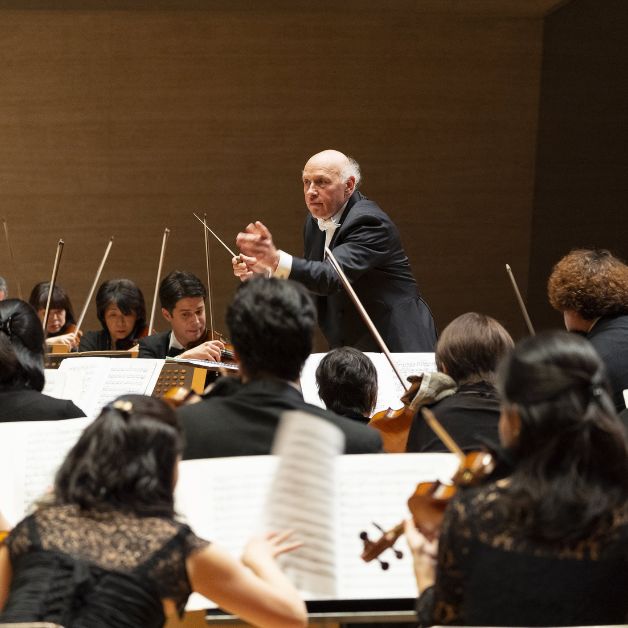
(122,122)
(581,195)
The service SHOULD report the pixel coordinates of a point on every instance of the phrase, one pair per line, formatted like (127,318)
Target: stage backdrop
(125,118)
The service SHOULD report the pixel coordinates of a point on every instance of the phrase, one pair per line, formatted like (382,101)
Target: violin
(430,499)
(178,396)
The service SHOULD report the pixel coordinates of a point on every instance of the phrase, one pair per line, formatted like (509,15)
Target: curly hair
(592,283)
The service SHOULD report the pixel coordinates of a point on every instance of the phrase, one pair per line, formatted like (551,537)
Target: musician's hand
(210,350)
(257,241)
(424,554)
(244,267)
(415,384)
(69,340)
(261,549)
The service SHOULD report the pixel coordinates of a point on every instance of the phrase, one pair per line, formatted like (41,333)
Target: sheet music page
(376,488)
(390,389)
(34,449)
(54,385)
(93,382)
(222,500)
(127,376)
(308,380)
(302,498)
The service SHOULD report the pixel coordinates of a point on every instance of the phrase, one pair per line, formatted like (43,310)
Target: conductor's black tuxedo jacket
(368,247)
(243,421)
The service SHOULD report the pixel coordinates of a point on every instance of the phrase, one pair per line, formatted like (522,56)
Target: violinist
(271,323)
(547,545)
(347,383)
(22,368)
(590,289)
(122,313)
(462,394)
(61,329)
(182,298)
(4,290)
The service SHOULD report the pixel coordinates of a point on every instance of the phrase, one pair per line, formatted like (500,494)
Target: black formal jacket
(368,248)
(101,341)
(156,346)
(243,422)
(31,405)
(470,416)
(609,336)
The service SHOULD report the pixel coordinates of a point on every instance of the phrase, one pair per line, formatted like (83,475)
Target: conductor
(368,247)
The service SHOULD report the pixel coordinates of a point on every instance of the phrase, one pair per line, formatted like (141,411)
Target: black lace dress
(489,575)
(97,570)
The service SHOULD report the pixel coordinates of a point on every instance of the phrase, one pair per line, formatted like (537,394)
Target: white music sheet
(390,388)
(93,382)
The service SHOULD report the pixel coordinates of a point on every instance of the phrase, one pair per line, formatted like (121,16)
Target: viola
(180,396)
(429,501)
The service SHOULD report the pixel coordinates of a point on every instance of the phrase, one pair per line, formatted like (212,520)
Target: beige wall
(121,122)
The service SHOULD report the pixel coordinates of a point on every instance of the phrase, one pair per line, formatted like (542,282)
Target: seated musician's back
(548,545)
(22,368)
(271,323)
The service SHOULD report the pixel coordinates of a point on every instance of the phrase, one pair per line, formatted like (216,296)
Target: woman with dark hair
(347,383)
(107,551)
(590,289)
(462,394)
(548,545)
(121,311)
(22,368)
(61,323)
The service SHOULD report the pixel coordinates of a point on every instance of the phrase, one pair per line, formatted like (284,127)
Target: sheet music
(308,379)
(376,488)
(390,389)
(302,498)
(34,450)
(93,382)
(222,499)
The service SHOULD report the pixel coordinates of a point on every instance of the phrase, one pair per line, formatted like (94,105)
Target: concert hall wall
(125,118)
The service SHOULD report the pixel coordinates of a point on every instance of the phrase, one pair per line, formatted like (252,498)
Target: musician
(182,297)
(22,368)
(548,545)
(271,323)
(367,246)
(463,396)
(106,549)
(590,288)
(61,329)
(121,311)
(4,290)
(347,383)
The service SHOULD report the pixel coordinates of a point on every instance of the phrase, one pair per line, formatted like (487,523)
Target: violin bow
(363,313)
(11,257)
(522,305)
(210,301)
(204,223)
(159,267)
(91,291)
(53,281)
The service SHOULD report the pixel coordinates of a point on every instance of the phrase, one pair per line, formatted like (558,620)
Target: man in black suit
(182,297)
(367,246)
(271,323)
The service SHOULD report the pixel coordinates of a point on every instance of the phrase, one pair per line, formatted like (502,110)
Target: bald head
(329,179)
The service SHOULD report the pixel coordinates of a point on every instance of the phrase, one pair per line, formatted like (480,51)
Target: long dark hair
(59,301)
(125,294)
(21,346)
(572,456)
(124,460)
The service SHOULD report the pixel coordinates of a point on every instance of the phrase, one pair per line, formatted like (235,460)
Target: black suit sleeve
(363,242)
